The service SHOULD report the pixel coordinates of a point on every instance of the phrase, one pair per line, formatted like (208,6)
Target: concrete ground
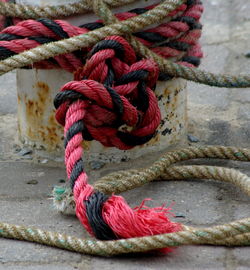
(216,116)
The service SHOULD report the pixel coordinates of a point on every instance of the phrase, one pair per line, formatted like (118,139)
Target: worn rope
(34,12)
(131,25)
(113,102)
(236,233)
(231,234)
(122,181)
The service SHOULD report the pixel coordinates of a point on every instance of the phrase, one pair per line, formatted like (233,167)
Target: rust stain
(18,98)
(43,91)
(167,92)
(41,127)
(18,127)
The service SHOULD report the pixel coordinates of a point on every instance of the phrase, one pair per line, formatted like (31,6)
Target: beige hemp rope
(232,234)
(35,12)
(131,25)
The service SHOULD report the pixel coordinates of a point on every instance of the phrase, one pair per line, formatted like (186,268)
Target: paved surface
(216,116)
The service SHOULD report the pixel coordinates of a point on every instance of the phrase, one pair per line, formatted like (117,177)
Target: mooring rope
(175,39)
(112,100)
(131,25)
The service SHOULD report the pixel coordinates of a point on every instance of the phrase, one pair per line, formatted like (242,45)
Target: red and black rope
(113,90)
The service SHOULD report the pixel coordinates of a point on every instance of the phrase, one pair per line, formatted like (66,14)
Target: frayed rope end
(140,221)
(125,222)
(63,200)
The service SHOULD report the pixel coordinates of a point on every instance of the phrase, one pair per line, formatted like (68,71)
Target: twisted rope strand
(125,27)
(231,234)
(57,11)
(115,89)
(124,180)
(102,10)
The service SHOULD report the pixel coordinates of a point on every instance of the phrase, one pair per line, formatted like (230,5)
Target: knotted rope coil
(112,100)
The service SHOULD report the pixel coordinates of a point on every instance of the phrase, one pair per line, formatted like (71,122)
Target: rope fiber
(114,88)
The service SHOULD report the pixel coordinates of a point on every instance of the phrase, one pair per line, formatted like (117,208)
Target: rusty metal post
(37,126)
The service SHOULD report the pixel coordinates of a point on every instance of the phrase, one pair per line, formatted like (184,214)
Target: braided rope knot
(121,108)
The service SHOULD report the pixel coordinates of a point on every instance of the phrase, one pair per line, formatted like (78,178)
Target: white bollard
(37,127)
